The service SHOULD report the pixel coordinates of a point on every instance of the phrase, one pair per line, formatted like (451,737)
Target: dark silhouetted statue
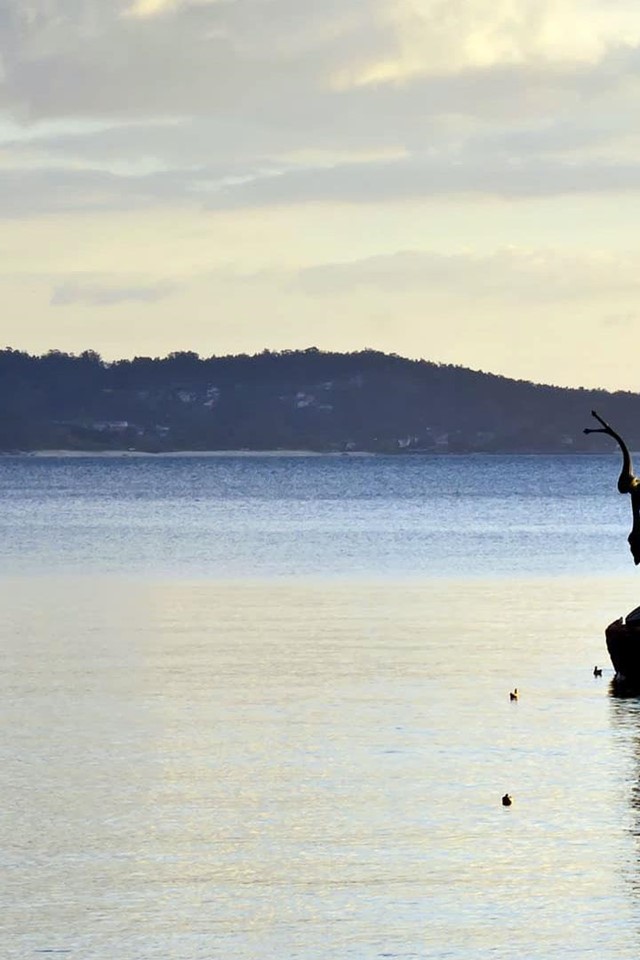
(627,483)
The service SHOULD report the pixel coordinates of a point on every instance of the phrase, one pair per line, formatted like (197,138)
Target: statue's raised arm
(627,482)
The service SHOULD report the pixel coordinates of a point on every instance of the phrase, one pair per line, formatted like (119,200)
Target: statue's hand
(605,428)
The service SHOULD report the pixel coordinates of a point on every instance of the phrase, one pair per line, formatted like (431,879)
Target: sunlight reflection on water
(311,770)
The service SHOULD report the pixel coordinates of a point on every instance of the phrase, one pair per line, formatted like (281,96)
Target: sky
(457,180)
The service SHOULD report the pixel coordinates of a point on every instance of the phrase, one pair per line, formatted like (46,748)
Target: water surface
(339,517)
(271,718)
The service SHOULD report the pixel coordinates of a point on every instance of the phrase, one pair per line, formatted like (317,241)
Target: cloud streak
(108,295)
(419,178)
(541,276)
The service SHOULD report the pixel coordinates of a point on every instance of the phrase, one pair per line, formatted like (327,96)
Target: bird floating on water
(597,671)
(514,694)
(506,800)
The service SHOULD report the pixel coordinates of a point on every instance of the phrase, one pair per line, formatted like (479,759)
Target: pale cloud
(143,9)
(328,173)
(150,8)
(103,294)
(420,177)
(446,36)
(39,192)
(105,94)
(512,276)
(78,57)
(544,276)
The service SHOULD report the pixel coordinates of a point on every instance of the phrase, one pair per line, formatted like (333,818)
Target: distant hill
(302,399)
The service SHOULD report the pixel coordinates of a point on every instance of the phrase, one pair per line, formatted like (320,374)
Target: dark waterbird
(506,800)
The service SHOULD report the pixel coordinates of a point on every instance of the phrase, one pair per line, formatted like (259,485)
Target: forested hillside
(309,400)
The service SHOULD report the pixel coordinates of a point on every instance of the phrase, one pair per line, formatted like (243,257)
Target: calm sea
(257,708)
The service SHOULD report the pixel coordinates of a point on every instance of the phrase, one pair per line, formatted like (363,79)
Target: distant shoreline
(164,454)
(107,454)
